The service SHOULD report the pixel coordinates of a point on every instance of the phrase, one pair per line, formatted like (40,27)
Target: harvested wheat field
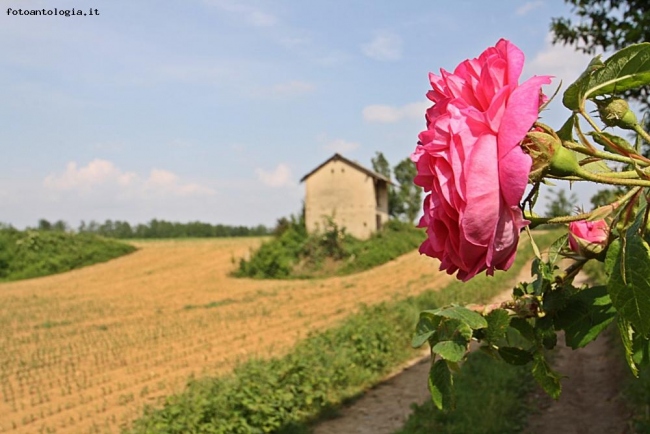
(84,351)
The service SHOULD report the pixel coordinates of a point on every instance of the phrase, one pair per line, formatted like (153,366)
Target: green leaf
(611,143)
(473,319)
(586,315)
(629,284)
(498,322)
(613,256)
(524,328)
(441,385)
(555,249)
(627,335)
(453,351)
(426,327)
(545,332)
(548,379)
(624,70)
(515,356)
(573,94)
(566,132)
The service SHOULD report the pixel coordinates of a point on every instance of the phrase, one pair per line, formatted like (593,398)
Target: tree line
(155,229)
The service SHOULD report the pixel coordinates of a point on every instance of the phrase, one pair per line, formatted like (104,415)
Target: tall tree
(606,25)
(381,166)
(560,205)
(409,194)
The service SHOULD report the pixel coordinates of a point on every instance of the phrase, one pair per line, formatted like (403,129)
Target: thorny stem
(571,271)
(640,131)
(588,118)
(606,155)
(535,221)
(604,179)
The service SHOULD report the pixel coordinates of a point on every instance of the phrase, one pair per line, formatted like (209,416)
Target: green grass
(284,395)
(32,253)
(490,399)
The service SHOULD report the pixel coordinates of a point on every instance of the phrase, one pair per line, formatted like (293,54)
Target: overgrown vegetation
(292,253)
(35,253)
(283,395)
(495,404)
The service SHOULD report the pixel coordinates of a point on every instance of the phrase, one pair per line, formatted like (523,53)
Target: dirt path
(590,404)
(591,401)
(385,408)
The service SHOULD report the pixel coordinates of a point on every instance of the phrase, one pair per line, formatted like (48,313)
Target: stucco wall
(343,192)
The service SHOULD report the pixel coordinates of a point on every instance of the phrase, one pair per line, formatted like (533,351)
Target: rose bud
(615,112)
(588,238)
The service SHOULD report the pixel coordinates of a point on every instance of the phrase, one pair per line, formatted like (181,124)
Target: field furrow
(84,351)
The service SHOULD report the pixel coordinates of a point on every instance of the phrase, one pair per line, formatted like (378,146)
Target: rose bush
(588,238)
(470,161)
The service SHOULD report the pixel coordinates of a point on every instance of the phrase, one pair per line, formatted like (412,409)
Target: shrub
(295,254)
(35,253)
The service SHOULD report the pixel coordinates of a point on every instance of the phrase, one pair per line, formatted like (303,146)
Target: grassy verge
(32,253)
(283,395)
(495,404)
(295,254)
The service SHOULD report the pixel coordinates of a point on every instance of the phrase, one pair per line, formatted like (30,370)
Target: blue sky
(212,110)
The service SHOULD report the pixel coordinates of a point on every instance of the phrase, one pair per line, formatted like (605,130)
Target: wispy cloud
(563,62)
(103,176)
(251,14)
(387,114)
(529,6)
(278,177)
(385,46)
(341,146)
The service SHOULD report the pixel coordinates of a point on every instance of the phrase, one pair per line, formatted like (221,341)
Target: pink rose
(588,238)
(470,160)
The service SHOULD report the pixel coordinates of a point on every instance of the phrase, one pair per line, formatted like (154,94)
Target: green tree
(44,225)
(381,166)
(604,197)
(560,205)
(408,194)
(606,25)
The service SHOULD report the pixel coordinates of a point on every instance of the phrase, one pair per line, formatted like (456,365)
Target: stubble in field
(84,351)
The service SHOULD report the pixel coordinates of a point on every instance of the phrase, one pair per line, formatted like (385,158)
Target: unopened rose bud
(541,148)
(588,238)
(615,112)
(548,154)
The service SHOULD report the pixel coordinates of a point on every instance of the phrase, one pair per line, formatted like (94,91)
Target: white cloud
(97,172)
(529,6)
(251,14)
(341,146)
(385,46)
(166,182)
(102,176)
(291,88)
(563,62)
(278,177)
(387,114)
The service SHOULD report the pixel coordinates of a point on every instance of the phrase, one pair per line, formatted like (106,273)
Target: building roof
(339,157)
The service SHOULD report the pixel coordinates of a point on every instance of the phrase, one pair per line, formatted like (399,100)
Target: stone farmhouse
(353,196)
